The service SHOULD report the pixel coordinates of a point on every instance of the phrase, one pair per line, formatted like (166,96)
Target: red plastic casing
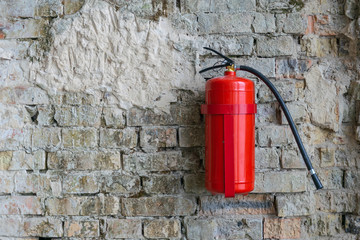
(238,129)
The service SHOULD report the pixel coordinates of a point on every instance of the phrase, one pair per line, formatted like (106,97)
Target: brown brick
(81,229)
(162,184)
(192,137)
(123,228)
(11,205)
(158,206)
(153,138)
(335,201)
(289,228)
(253,204)
(162,228)
(304,203)
(327,157)
(195,183)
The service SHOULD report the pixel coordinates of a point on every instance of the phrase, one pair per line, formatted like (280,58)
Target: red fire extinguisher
(230,130)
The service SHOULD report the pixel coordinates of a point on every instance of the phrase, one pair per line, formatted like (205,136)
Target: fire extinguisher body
(230,134)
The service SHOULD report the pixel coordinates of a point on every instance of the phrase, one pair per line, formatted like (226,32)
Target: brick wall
(101,132)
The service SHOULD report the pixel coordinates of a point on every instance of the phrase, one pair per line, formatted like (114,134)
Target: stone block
(10,225)
(291,68)
(13,49)
(195,183)
(223,228)
(253,204)
(357,133)
(298,112)
(264,23)
(286,181)
(148,117)
(13,116)
(49,8)
(114,117)
(27,183)
(13,205)
(275,46)
(80,137)
(6,182)
(335,201)
(162,228)
(163,161)
(72,116)
(149,206)
(287,90)
(81,228)
(42,226)
(153,138)
(289,228)
(191,137)
(292,23)
(81,183)
(266,113)
(352,224)
(72,6)
(299,204)
(12,138)
(265,65)
(121,184)
(230,45)
(45,115)
(48,139)
(332,178)
(112,138)
(124,228)
(272,136)
(78,98)
(185,114)
(25,28)
(19,160)
(327,157)
(23,95)
(225,23)
(17,8)
(291,158)
(162,184)
(84,160)
(266,158)
(323,225)
(319,47)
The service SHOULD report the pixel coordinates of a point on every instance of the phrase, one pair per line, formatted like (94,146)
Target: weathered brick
(287,90)
(185,114)
(11,205)
(264,23)
(148,117)
(84,160)
(25,161)
(222,6)
(122,184)
(266,158)
(10,225)
(49,8)
(13,49)
(265,65)
(45,115)
(352,224)
(114,117)
(298,113)
(78,98)
(335,201)
(163,161)
(47,138)
(329,25)
(294,181)
(72,116)
(16,8)
(332,178)
(6,182)
(82,228)
(80,137)
(299,204)
(16,116)
(149,206)
(195,183)
(191,137)
(27,183)
(291,68)
(23,95)
(225,23)
(81,183)
(253,204)
(327,157)
(153,138)
(319,47)
(162,228)
(72,6)
(123,228)
(42,226)
(272,136)
(293,23)
(82,205)
(12,139)
(162,184)
(266,113)
(230,45)
(222,228)
(112,138)
(25,28)
(278,228)
(291,158)
(322,225)
(357,133)
(275,46)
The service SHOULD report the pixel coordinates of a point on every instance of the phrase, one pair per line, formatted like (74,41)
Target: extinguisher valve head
(230,68)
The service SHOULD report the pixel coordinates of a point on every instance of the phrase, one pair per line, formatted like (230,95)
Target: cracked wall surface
(101,135)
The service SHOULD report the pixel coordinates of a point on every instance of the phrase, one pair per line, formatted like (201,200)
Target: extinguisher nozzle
(316,181)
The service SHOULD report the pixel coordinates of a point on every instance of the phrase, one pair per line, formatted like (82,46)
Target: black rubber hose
(303,152)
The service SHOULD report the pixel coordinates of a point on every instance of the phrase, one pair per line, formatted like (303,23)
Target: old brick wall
(101,134)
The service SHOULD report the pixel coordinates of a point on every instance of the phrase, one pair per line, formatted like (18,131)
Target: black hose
(307,161)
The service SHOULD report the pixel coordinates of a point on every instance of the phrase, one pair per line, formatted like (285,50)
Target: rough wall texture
(101,135)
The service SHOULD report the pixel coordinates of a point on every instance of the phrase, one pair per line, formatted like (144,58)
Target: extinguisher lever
(227,61)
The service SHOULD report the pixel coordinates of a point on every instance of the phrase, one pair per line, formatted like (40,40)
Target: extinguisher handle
(292,125)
